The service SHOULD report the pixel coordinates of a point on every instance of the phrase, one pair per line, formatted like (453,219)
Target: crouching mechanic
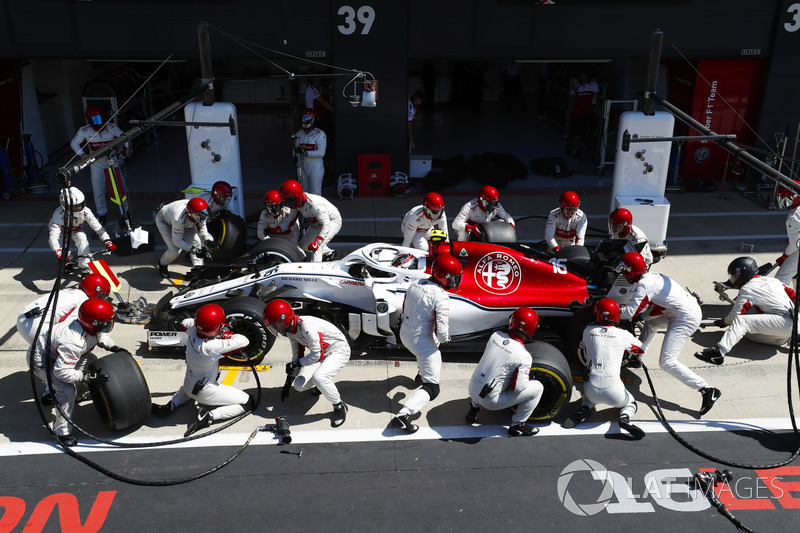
(74,202)
(772,301)
(328,352)
(485,208)
(426,325)
(605,345)
(418,222)
(182,225)
(69,342)
(324,219)
(208,342)
(502,377)
(620,226)
(218,198)
(277,220)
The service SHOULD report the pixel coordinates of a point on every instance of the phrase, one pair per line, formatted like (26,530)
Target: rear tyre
(551,369)
(124,400)
(244,314)
(497,231)
(271,252)
(230,235)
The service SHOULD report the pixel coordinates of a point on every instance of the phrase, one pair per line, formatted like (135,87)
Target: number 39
(365,15)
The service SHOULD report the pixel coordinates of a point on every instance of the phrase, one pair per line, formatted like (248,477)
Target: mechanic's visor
(568,212)
(96,120)
(199,216)
(615,229)
(223,199)
(489,206)
(103,326)
(433,214)
(278,328)
(455,281)
(274,209)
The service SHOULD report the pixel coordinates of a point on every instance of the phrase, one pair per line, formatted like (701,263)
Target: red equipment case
(374,171)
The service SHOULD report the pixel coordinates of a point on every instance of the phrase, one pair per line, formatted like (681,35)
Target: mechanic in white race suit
(277,220)
(605,344)
(218,198)
(566,224)
(319,351)
(69,342)
(426,325)
(309,145)
(182,225)
(485,208)
(620,226)
(73,199)
(94,136)
(419,221)
(788,259)
(208,342)
(502,377)
(662,302)
(772,301)
(323,217)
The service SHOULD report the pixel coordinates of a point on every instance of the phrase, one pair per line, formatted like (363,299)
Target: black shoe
(339,414)
(472,416)
(403,422)
(711,355)
(203,420)
(162,269)
(161,410)
(84,397)
(67,440)
(581,416)
(710,396)
(635,431)
(522,430)
(48,398)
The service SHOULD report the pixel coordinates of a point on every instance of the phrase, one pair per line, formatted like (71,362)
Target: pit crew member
(485,208)
(620,226)
(218,198)
(277,220)
(419,221)
(323,217)
(182,225)
(309,145)
(566,224)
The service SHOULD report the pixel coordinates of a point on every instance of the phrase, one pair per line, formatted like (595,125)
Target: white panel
(650,214)
(213,151)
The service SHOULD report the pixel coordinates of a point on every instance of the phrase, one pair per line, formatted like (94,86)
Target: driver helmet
(522,324)
(96,316)
(208,321)
(740,271)
(273,203)
(308,120)
(433,205)
(95,116)
(631,265)
(95,286)
(221,193)
(197,209)
(489,199)
(404,261)
(399,184)
(292,194)
(279,316)
(446,271)
(606,311)
(619,222)
(569,203)
(72,198)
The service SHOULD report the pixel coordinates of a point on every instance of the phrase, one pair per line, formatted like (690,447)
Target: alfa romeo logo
(583,509)
(498,273)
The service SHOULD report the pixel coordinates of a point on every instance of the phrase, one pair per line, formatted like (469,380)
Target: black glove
(299,150)
(115,348)
(291,367)
(720,323)
(95,378)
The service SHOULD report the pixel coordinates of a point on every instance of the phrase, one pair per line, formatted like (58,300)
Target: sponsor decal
(463,253)
(351,282)
(69,516)
(701,154)
(498,273)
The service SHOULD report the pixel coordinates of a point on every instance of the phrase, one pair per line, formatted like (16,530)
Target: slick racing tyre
(497,231)
(577,323)
(244,316)
(230,235)
(271,252)
(551,369)
(124,400)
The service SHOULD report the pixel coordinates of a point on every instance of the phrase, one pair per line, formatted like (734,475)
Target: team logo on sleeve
(498,273)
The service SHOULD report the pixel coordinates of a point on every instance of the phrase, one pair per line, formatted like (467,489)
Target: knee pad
(432,389)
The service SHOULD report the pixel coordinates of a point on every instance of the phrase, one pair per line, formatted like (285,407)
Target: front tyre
(244,314)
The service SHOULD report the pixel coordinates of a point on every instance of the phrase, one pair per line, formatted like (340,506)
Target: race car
(363,294)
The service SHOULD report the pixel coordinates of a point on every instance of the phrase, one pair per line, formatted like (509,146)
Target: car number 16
(559,265)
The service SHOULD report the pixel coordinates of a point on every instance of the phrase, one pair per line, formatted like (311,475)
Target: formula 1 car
(363,294)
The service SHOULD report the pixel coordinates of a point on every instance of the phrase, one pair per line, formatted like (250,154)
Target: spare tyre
(124,400)
(497,231)
(271,252)
(551,369)
(230,236)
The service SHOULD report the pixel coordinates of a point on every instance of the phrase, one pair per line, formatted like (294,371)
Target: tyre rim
(250,330)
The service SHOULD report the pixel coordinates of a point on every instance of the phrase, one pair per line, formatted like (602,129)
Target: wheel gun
(721,288)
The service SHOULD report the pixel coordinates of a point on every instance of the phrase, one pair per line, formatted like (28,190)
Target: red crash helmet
(272,202)
(606,311)
(569,202)
(446,271)
(522,324)
(489,198)
(619,222)
(279,316)
(208,321)
(632,266)
(96,316)
(221,192)
(95,286)
(433,205)
(197,209)
(95,116)
(292,194)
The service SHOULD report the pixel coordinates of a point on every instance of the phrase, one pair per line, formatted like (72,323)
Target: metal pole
(205,62)
(652,72)
(729,146)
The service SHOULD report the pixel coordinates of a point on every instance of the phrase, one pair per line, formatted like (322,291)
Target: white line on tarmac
(332,436)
